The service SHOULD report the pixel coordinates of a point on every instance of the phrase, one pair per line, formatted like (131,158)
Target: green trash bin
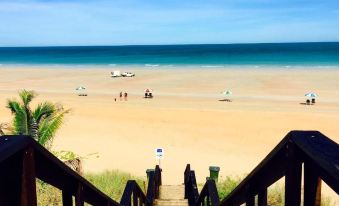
(149,171)
(214,173)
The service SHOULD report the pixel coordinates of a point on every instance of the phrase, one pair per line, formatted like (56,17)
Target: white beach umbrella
(148,90)
(80,88)
(311,95)
(227,92)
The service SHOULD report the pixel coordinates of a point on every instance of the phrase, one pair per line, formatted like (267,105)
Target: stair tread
(172,192)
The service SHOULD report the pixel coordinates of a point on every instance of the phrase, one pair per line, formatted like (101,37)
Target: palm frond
(27,96)
(20,117)
(49,126)
(43,110)
(13,105)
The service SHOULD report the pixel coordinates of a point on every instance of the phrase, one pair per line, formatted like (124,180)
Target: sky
(132,22)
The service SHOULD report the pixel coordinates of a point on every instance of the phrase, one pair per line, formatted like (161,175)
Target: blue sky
(129,22)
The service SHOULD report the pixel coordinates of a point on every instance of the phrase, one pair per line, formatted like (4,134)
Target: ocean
(205,55)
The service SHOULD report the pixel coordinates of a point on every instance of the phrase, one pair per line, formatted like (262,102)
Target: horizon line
(183,44)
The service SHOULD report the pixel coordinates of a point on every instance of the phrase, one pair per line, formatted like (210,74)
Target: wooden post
(141,200)
(262,198)
(66,199)
(28,184)
(11,181)
(312,186)
(79,199)
(135,198)
(250,201)
(292,177)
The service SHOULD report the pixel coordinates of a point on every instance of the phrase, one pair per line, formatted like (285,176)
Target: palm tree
(40,123)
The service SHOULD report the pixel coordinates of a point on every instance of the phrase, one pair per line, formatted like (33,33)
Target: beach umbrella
(226,93)
(148,90)
(80,88)
(311,95)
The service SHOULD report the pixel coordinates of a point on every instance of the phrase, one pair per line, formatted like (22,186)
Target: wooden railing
(154,182)
(318,154)
(208,195)
(191,189)
(22,160)
(134,192)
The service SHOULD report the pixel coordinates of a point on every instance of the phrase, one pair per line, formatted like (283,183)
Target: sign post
(159,155)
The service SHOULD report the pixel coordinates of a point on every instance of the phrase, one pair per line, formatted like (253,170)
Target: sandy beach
(184,117)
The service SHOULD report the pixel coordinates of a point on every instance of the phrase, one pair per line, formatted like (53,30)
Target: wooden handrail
(191,189)
(132,190)
(208,195)
(154,183)
(22,160)
(318,153)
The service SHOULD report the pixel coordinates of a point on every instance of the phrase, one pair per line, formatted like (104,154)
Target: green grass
(226,185)
(112,183)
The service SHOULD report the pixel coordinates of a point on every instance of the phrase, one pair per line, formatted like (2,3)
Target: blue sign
(159,153)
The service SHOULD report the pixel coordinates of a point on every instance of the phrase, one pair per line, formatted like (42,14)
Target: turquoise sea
(216,55)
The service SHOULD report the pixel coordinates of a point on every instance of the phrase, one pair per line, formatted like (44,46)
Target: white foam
(151,65)
(212,66)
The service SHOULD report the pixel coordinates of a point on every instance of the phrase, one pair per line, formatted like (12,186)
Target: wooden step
(171,195)
(171,202)
(172,192)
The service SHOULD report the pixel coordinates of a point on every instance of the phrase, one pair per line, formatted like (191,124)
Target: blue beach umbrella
(311,95)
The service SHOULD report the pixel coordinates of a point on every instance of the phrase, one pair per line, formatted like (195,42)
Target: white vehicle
(115,74)
(128,74)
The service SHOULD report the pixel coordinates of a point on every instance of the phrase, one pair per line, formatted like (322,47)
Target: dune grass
(112,183)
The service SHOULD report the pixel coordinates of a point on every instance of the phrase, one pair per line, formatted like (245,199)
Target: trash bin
(214,173)
(148,171)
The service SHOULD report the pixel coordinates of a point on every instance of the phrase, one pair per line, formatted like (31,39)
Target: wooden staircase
(171,195)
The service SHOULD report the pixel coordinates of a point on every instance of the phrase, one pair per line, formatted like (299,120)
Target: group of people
(122,95)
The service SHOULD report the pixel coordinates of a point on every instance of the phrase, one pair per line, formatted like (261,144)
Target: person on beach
(120,95)
(125,96)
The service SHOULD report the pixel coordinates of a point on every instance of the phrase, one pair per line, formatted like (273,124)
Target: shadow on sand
(225,100)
